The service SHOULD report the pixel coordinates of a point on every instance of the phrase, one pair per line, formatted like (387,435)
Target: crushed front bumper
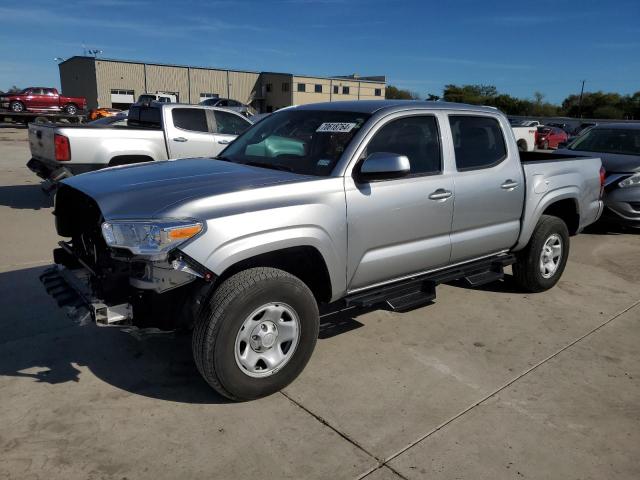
(71,288)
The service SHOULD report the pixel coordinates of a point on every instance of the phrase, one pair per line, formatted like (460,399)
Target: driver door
(400,226)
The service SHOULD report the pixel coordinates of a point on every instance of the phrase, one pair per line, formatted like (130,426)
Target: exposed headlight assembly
(632,181)
(151,238)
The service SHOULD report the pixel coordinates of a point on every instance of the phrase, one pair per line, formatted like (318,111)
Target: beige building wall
(244,86)
(118,75)
(310,95)
(207,81)
(161,78)
(277,97)
(78,79)
(368,91)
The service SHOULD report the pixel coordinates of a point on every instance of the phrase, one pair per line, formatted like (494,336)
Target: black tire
(70,109)
(522,145)
(221,317)
(16,107)
(527,271)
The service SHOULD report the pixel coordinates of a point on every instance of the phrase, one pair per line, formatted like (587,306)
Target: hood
(612,162)
(145,190)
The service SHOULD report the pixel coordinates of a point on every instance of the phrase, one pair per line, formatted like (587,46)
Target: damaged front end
(124,273)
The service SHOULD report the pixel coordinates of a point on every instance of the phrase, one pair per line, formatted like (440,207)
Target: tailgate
(41,141)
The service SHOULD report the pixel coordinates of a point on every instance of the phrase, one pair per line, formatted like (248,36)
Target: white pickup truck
(159,131)
(525,137)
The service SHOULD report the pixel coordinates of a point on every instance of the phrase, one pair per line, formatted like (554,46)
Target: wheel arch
(562,203)
(128,160)
(303,261)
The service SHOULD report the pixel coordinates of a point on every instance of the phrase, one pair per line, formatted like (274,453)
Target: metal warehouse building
(118,83)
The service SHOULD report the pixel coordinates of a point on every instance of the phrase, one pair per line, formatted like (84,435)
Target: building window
(285,86)
(345,90)
(121,92)
(302,87)
(208,95)
(378,92)
(336,89)
(317,88)
(269,86)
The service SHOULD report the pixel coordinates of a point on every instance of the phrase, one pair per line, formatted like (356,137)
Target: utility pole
(580,101)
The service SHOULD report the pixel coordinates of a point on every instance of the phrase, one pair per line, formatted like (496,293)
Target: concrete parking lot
(485,383)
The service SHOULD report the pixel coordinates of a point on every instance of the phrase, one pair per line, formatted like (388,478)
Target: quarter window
(416,137)
(478,141)
(230,124)
(194,119)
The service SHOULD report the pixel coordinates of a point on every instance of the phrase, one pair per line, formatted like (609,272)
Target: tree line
(593,104)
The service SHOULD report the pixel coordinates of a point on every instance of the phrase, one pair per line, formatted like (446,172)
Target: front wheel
(540,264)
(16,107)
(256,333)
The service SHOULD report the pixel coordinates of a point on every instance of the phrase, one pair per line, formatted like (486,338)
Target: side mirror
(384,165)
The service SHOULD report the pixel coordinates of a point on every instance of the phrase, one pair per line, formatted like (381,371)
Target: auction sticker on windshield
(339,127)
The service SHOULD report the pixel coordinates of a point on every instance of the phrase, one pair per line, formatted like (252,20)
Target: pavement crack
(379,461)
(385,462)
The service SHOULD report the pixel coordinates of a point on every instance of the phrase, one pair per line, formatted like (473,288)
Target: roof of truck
(372,106)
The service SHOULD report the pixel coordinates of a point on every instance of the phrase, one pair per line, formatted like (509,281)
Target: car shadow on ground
(38,340)
(30,197)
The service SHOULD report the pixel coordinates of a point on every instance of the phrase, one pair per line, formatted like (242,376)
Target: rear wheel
(16,107)
(256,333)
(540,264)
(70,109)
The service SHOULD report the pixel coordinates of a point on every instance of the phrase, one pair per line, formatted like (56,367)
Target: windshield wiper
(273,166)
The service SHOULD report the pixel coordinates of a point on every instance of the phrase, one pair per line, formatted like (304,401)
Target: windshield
(308,142)
(609,140)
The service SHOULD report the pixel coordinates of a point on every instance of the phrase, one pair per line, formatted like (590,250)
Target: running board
(421,289)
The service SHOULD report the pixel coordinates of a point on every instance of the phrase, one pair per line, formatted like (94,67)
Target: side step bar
(421,289)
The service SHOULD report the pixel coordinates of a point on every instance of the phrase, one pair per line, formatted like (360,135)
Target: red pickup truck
(41,99)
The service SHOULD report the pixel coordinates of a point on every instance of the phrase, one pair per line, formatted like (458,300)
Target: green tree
(396,93)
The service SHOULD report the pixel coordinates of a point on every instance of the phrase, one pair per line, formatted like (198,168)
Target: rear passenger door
(489,187)
(400,226)
(189,133)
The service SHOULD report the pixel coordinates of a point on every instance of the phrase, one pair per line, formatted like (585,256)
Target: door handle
(440,194)
(224,142)
(179,139)
(509,185)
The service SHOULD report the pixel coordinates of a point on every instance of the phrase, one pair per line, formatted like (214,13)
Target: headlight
(148,237)
(632,181)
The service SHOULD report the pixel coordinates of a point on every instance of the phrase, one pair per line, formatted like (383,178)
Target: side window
(193,119)
(416,137)
(230,124)
(36,91)
(478,141)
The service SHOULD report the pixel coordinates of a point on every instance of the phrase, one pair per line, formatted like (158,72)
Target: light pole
(580,101)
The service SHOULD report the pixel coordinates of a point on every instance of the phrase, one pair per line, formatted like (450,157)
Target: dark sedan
(618,145)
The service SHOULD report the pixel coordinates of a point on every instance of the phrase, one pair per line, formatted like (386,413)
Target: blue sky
(518,46)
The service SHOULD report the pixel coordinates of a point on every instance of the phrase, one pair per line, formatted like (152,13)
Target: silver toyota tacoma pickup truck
(346,203)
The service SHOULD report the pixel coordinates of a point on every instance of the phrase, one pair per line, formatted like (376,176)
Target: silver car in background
(618,145)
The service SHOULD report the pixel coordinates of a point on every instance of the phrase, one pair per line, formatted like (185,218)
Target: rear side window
(193,119)
(416,137)
(230,124)
(478,141)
